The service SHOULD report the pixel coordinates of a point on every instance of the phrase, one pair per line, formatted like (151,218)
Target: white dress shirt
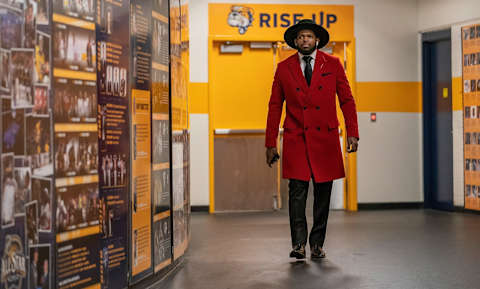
(312,61)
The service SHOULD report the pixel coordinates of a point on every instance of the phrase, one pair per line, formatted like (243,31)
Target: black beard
(306,52)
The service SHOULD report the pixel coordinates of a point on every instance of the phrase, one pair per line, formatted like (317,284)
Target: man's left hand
(352,144)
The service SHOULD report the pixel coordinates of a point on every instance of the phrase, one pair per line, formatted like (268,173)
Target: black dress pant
(298,191)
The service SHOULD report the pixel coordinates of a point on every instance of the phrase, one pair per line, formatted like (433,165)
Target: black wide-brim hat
(320,32)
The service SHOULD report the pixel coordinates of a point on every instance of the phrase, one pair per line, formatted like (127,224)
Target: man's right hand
(272,156)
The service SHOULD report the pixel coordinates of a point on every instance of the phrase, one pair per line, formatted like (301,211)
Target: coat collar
(294,65)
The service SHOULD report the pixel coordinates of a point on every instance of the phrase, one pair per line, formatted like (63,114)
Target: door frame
(428,137)
(350,183)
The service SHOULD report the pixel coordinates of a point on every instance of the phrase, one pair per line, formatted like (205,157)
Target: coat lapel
(320,63)
(294,65)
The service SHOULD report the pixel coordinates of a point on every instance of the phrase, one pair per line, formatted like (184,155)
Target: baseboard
(200,208)
(466,211)
(390,206)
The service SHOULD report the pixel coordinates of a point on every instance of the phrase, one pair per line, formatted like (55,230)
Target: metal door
(438,139)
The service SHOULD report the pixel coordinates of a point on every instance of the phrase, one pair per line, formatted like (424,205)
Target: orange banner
(141,186)
(268,22)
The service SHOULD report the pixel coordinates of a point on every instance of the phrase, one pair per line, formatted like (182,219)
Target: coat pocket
(333,124)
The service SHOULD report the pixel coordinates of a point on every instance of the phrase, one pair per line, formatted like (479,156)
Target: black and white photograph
(5,82)
(11,32)
(42,194)
(42,58)
(39,274)
(22,173)
(466,86)
(73,48)
(160,141)
(9,187)
(466,33)
(84,9)
(472,33)
(473,59)
(466,60)
(473,85)
(21,64)
(467,138)
(467,111)
(31,223)
(161,190)
(112,78)
(161,239)
(113,170)
(76,154)
(469,190)
(39,146)
(77,207)
(75,101)
(40,100)
(473,112)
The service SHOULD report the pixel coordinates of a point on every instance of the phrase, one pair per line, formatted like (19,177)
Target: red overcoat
(311,144)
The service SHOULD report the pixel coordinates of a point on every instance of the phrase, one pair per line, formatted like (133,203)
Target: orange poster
(141,189)
(471,109)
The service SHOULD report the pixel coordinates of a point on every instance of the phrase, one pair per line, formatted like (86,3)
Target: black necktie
(308,68)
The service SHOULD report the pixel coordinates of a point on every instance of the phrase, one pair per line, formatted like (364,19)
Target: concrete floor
(370,249)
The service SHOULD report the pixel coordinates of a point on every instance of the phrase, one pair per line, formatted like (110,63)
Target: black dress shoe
(298,252)
(316,252)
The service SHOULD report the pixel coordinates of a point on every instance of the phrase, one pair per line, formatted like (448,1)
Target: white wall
(437,14)
(199,160)
(443,14)
(389,160)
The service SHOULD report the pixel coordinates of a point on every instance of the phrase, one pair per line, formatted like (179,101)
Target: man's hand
(352,144)
(272,156)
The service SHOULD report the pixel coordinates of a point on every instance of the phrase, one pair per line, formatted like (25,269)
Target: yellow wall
(198,97)
(457,94)
(389,96)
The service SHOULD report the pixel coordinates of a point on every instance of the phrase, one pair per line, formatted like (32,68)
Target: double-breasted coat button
(298,88)
(306,128)
(318,128)
(304,108)
(320,87)
(318,107)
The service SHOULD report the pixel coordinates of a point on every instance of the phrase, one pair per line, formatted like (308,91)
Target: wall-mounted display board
(180,133)
(28,227)
(113,50)
(471,103)
(86,141)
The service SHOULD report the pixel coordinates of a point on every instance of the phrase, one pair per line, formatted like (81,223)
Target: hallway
(401,249)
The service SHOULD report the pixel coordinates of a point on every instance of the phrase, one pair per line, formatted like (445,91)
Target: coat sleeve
(347,103)
(275,107)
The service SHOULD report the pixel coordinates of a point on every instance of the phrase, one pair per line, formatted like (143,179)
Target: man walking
(308,81)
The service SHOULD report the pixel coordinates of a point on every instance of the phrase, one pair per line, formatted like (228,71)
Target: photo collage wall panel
(27,207)
(471,114)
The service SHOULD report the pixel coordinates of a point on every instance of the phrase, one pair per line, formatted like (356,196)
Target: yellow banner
(268,22)
(141,182)
(67,236)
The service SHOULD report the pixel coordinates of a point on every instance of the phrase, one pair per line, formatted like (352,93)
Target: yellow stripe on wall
(198,96)
(389,96)
(457,94)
